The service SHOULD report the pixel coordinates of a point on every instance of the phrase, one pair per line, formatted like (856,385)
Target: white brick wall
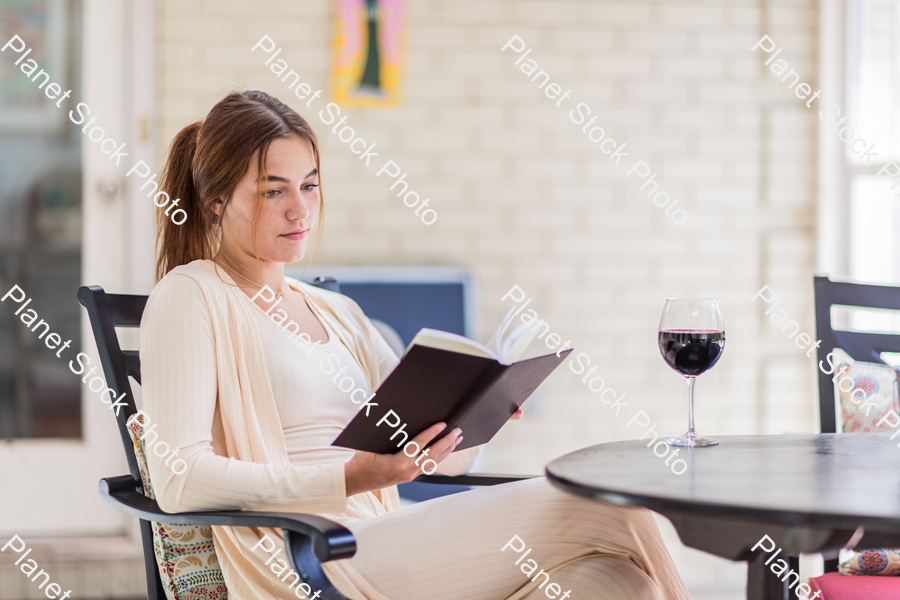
(524,198)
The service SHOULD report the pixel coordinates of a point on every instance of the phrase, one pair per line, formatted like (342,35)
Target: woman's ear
(217,206)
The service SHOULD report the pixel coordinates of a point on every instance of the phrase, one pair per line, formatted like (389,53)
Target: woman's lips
(297,235)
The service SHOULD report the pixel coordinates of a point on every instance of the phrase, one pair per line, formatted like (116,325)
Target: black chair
(310,540)
(864,347)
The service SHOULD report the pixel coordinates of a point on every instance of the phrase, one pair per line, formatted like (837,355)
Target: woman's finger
(447,451)
(446,444)
(427,436)
(437,451)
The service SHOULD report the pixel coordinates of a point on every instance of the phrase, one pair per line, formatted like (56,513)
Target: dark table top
(838,480)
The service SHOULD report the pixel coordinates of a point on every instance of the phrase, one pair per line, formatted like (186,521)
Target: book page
(444,340)
(494,344)
(516,342)
(505,350)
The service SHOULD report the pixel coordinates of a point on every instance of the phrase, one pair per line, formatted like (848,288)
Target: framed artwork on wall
(368,39)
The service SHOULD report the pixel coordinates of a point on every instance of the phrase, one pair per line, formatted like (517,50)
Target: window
(40,221)
(873,108)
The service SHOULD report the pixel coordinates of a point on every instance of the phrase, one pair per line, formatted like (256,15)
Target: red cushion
(835,586)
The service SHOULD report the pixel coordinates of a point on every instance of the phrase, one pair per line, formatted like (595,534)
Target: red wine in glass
(691,352)
(691,340)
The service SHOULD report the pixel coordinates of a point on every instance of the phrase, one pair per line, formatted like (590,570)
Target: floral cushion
(875,561)
(879,382)
(187,561)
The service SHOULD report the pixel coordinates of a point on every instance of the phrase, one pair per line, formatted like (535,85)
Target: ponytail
(194,238)
(207,160)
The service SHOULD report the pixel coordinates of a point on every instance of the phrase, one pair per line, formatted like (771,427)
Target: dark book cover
(429,385)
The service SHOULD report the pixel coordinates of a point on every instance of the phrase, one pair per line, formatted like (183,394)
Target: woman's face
(290,204)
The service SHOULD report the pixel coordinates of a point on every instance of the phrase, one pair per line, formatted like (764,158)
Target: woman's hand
(367,471)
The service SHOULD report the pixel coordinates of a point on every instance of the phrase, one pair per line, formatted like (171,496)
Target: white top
(298,373)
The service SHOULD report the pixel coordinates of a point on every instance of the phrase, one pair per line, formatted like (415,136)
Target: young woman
(253,415)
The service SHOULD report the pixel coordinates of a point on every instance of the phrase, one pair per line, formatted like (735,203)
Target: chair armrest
(473,479)
(310,540)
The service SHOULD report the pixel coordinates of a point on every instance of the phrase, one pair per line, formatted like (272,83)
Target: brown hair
(207,159)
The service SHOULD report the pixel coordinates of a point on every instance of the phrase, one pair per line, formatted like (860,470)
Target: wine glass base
(691,440)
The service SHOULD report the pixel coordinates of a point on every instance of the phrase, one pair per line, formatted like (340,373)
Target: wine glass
(691,340)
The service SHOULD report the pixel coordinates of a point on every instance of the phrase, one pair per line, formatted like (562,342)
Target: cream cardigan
(206,387)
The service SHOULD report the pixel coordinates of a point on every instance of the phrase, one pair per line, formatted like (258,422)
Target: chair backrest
(106,313)
(865,347)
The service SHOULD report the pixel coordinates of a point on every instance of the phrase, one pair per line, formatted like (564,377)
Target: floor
(93,568)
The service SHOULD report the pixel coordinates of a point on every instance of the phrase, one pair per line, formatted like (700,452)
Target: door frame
(833,207)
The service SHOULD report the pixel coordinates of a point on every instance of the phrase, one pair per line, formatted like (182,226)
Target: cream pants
(450,548)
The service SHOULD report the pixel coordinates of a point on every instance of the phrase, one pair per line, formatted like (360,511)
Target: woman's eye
(309,187)
(271,193)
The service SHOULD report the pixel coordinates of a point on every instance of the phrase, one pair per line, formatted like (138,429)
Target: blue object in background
(408,307)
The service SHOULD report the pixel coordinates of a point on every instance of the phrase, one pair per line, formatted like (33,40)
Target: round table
(809,492)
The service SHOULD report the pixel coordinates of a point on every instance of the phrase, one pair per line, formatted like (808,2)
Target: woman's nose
(297,208)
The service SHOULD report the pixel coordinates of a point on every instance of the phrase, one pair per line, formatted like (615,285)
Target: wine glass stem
(690,386)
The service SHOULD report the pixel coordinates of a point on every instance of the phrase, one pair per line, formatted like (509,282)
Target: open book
(505,351)
(447,377)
